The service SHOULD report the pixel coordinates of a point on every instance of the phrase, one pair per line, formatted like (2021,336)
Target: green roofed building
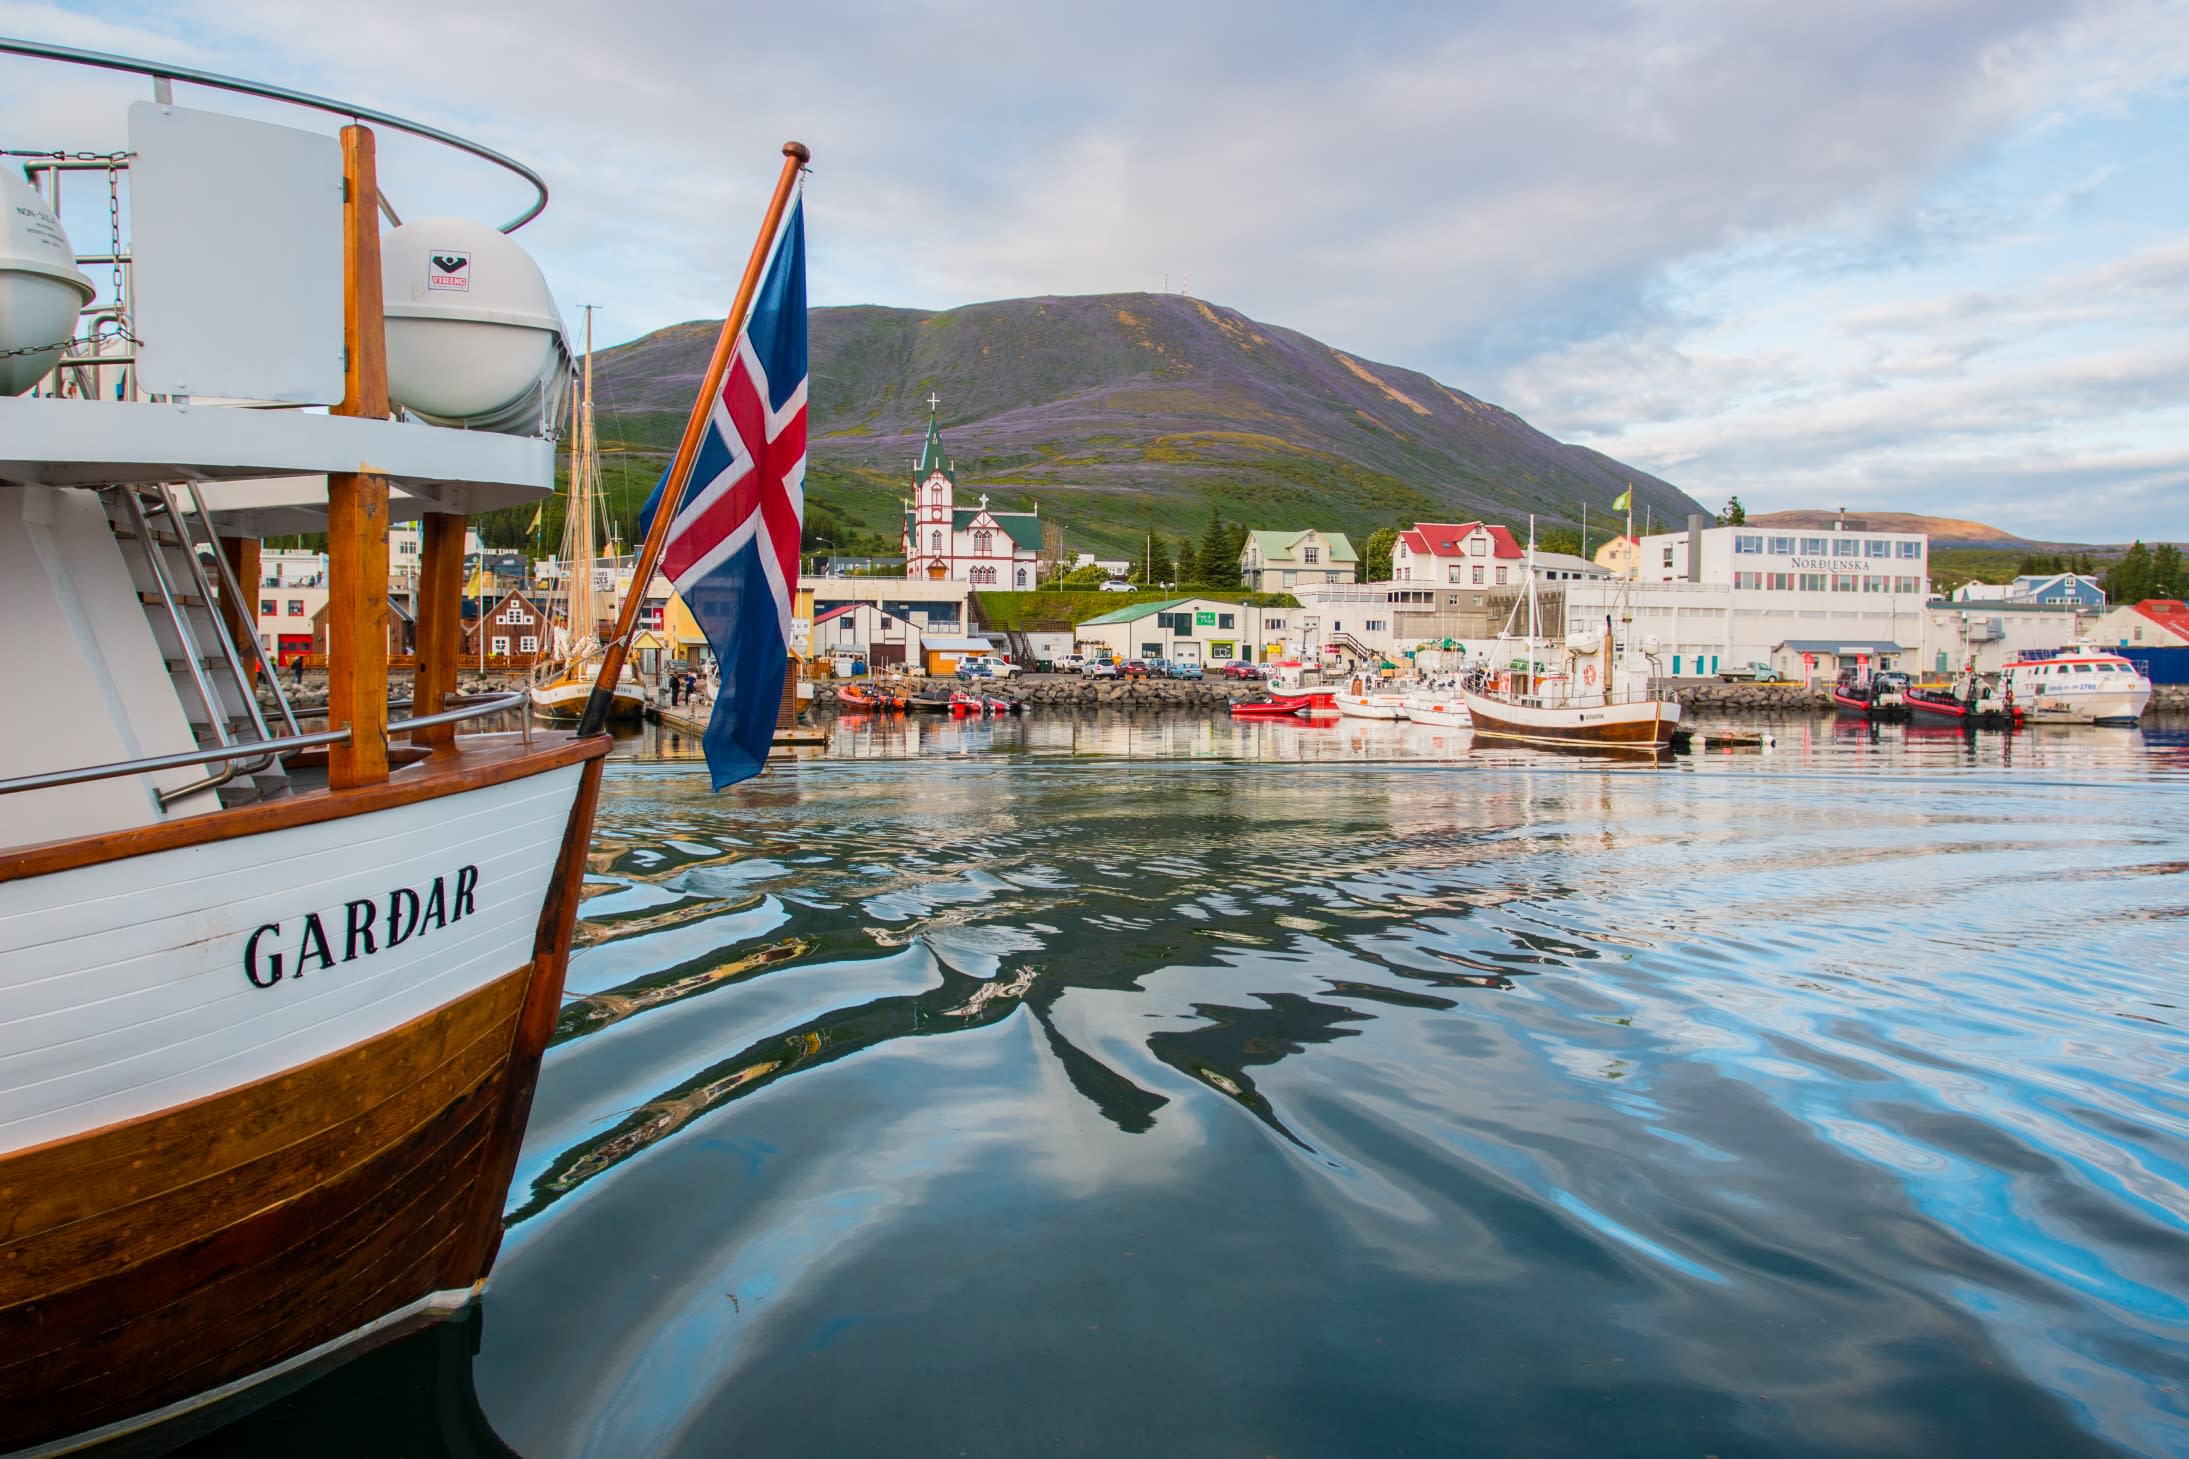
(1273,562)
(980,545)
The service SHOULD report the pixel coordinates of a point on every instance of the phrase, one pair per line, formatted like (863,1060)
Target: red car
(1132,669)
(1241,669)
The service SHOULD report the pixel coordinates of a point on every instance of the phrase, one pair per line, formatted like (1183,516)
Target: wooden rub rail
(220,754)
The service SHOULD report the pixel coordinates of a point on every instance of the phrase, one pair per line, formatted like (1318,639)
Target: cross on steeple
(934,402)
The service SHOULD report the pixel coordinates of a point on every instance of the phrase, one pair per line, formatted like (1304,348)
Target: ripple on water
(1048,1107)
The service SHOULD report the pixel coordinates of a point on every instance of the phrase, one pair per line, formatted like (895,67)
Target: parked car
(1115,586)
(1757,672)
(1133,669)
(1100,668)
(970,669)
(998,667)
(1158,668)
(1185,669)
(1241,669)
(1069,664)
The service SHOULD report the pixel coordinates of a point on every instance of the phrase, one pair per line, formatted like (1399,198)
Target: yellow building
(1617,556)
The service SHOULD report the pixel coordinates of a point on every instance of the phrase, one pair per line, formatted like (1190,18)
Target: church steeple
(932,459)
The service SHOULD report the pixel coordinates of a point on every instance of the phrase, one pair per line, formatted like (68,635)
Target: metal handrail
(160,71)
(177,761)
(475,709)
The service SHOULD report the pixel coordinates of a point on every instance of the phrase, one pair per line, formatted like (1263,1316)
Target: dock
(787,737)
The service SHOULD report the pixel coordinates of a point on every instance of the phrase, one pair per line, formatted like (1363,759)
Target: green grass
(1031,609)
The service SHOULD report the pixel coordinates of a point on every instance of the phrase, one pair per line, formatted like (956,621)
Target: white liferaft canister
(41,289)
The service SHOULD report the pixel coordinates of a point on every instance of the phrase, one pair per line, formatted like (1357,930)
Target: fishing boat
(935,699)
(1593,690)
(1363,699)
(563,681)
(1265,708)
(275,983)
(2084,685)
(998,705)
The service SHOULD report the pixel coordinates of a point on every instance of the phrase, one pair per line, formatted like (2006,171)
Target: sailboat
(563,682)
(1588,691)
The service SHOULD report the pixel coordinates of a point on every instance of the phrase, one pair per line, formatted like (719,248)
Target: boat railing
(476,708)
(106,338)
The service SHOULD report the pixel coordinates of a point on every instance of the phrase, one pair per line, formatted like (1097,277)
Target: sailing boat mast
(583,470)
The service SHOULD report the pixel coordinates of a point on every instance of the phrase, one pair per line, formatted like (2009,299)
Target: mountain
(1120,412)
(1945,531)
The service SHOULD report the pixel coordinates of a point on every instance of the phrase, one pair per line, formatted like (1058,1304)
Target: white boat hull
(135,986)
(2108,706)
(1448,712)
(565,699)
(1372,706)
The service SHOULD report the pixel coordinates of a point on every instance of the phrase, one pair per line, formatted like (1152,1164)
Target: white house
(984,546)
(1195,630)
(1464,554)
(2153,623)
(862,629)
(1277,562)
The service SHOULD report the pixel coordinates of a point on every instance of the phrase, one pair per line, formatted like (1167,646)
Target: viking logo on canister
(448,269)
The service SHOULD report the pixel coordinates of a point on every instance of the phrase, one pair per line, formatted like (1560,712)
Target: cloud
(1530,202)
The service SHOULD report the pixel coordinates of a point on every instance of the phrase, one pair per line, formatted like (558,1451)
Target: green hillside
(1118,413)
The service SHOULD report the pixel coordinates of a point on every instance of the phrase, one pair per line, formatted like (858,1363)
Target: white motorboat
(1362,699)
(2083,685)
(1438,706)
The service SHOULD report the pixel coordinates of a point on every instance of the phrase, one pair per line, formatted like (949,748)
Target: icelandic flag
(732,550)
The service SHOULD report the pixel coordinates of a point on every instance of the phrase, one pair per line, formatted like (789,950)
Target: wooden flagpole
(595,718)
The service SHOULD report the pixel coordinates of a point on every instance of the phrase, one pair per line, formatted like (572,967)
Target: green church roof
(932,459)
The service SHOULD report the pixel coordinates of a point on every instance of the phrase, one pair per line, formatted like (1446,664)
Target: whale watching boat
(2083,685)
(563,682)
(1591,691)
(275,982)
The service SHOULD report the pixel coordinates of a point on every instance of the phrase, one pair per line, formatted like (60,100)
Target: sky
(1924,255)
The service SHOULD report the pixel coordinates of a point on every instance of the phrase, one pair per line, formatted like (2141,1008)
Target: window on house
(1782,545)
(1374,625)
(1668,557)
(1311,555)
(296,607)
(1501,577)
(1747,580)
(1478,574)
(1845,582)
(1451,574)
(1908,585)
(1846,547)
(1747,545)
(1815,546)
(529,643)
(501,644)
(267,607)
(1226,620)
(1781,582)
(1812,582)
(934,541)
(1911,549)
(983,542)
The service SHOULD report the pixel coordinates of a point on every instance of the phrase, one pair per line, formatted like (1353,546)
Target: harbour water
(1164,1085)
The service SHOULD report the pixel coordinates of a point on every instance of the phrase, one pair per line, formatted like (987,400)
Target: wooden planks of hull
(292,1245)
(1624,732)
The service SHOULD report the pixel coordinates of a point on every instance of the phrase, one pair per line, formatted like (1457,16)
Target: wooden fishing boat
(1363,699)
(1589,691)
(273,998)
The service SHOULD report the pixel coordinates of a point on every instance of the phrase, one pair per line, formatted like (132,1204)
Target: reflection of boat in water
(274,999)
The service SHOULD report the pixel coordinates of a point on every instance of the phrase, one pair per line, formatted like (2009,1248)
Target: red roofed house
(1471,554)
(2153,623)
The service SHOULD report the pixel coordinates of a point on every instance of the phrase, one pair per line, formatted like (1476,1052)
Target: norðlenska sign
(1835,564)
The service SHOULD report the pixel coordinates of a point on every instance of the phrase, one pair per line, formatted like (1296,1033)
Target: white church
(977,545)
